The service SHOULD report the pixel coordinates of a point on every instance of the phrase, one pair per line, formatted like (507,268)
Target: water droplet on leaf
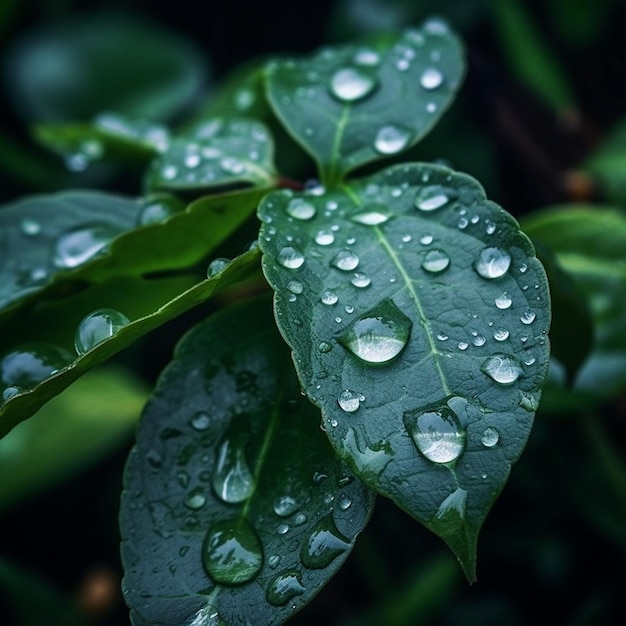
(392,139)
(504,301)
(284,506)
(352,84)
(372,214)
(493,263)
(502,368)
(435,261)
(490,437)
(361,280)
(329,298)
(97,327)
(345,260)
(349,401)
(284,588)
(431,78)
(77,245)
(432,197)
(232,479)
(528,317)
(291,258)
(217,266)
(301,209)
(323,545)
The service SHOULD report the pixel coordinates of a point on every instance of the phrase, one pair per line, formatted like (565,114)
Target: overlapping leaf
(417,314)
(354,104)
(235,508)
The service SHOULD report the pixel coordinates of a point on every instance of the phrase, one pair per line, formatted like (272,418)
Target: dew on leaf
(30,227)
(478,340)
(329,297)
(493,263)
(462,345)
(323,545)
(367,57)
(431,78)
(392,139)
(349,401)
(504,301)
(324,238)
(352,84)
(490,437)
(295,286)
(501,334)
(283,588)
(502,368)
(455,502)
(301,209)
(232,479)
(435,261)
(195,499)
(344,502)
(372,214)
(200,421)
(528,317)
(273,561)
(231,552)
(432,197)
(324,347)
(437,432)
(345,260)
(96,327)
(361,280)
(282,529)
(379,335)
(285,506)
(426,240)
(290,257)
(217,266)
(77,245)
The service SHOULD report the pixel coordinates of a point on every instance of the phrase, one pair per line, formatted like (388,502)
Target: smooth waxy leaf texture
(43,369)
(235,508)
(351,105)
(417,314)
(216,153)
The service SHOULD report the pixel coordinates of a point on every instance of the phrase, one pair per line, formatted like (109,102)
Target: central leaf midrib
(410,285)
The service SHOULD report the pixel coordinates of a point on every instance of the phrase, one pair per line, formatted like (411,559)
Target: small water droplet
(490,437)
(504,301)
(96,327)
(232,479)
(217,266)
(529,360)
(273,561)
(493,263)
(528,317)
(372,214)
(490,227)
(522,268)
(431,107)
(195,499)
(463,222)
(502,368)
(431,78)
(231,552)
(77,245)
(324,347)
(432,197)
(501,334)
(528,402)
(426,240)
(200,421)
(301,209)
(282,529)
(295,286)
(345,260)
(324,238)
(284,506)
(352,84)
(462,345)
(436,431)
(367,56)
(442,337)
(435,261)
(392,139)
(30,227)
(479,340)
(350,401)
(283,588)
(344,502)
(329,297)
(291,258)
(323,545)
(361,280)
(379,335)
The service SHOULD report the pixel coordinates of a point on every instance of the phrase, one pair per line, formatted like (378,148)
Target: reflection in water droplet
(352,84)
(431,78)
(478,340)
(493,263)
(437,432)
(78,245)
(361,280)
(284,506)
(345,260)
(217,266)
(283,588)
(344,501)
(232,553)
(432,197)
(502,334)
(323,545)
(392,139)
(455,502)
(435,261)
(291,258)
(502,368)
(329,297)
(490,437)
(301,209)
(96,327)
(528,317)
(504,301)
(349,401)
(379,335)
(232,479)
(372,214)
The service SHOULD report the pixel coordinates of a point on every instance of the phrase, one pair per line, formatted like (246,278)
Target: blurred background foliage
(540,121)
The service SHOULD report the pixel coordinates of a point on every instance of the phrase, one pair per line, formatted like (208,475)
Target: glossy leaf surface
(235,508)
(351,105)
(417,314)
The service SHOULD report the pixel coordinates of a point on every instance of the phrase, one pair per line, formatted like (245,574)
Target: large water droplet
(379,335)
(301,209)
(490,437)
(372,214)
(493,263)
(283,588)
(232,479)
(345,260)
(392,139)
(437,432)
(350,401)
(504,369)
(432,197)
(323,545)
(291,258)
(78,245)
(284,506)
(28,365)
(435,261)
(352,84)
(431,78)
(231,552)
(96,327)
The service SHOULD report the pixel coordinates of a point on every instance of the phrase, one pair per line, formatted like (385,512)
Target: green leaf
(76,429)
(351,105)
(59,368)
(75,68)
(590,244)
(235,509)
(417,314)
(216,153)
